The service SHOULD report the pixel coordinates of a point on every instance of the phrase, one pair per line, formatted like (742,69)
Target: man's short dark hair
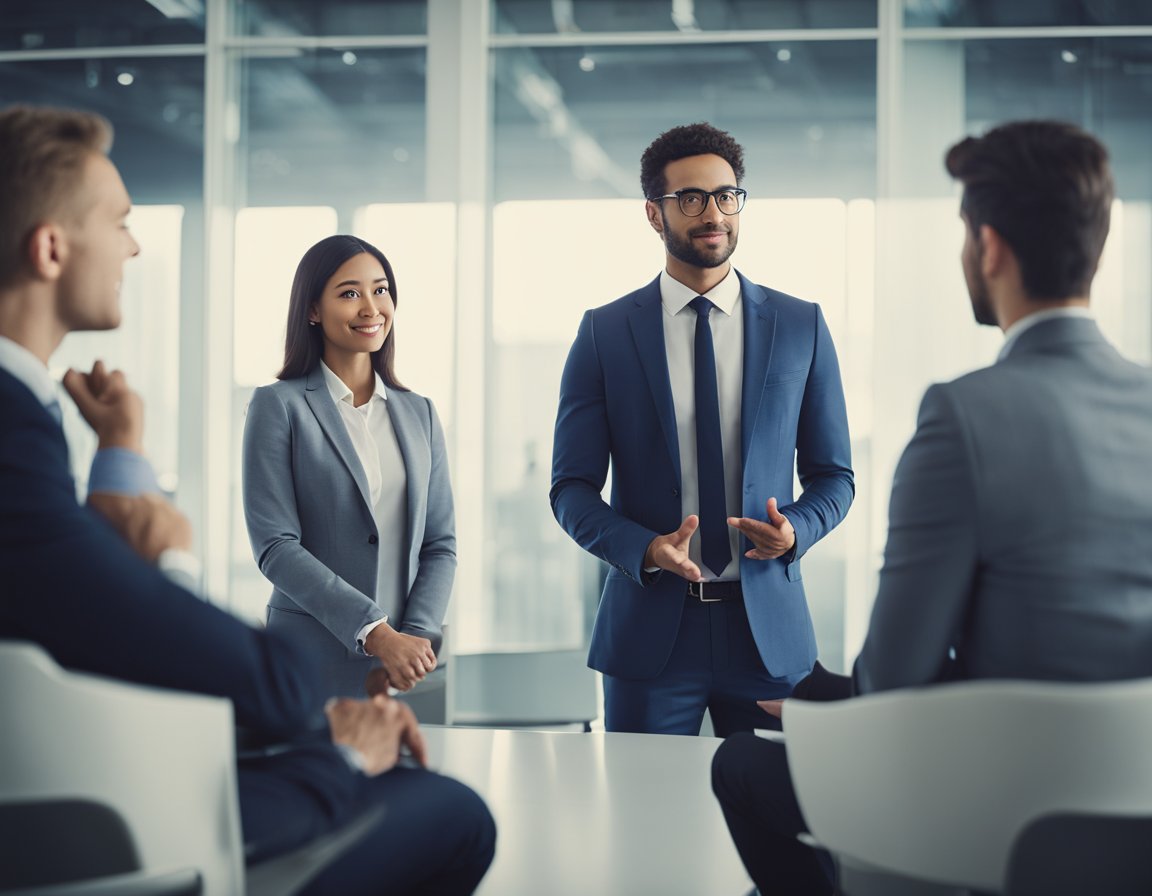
(679,143)
(1046,188)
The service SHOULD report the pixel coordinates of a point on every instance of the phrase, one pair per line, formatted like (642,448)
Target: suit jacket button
(372,539)
(675,492)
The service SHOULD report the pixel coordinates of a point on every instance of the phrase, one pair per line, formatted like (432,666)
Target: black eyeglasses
(693,202)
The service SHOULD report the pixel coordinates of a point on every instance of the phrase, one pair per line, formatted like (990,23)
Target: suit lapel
(328,416)
(759,333)
(647,324)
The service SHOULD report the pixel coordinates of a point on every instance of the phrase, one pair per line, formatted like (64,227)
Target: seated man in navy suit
(86,583)
(1018,534)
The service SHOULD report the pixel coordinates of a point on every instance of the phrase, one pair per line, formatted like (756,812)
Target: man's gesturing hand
(670,551)
(772,539)
(112,409)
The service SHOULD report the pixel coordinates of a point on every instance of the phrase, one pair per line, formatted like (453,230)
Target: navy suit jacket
(69,583)
(616,406)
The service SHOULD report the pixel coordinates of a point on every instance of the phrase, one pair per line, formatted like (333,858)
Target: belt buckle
(699,594)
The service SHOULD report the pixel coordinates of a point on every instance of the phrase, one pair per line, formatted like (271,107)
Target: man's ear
(47,251)
(995,253)
(652,210)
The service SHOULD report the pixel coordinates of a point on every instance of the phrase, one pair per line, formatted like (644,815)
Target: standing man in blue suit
(707,394)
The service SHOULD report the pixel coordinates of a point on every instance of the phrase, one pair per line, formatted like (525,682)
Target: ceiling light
(587,63)
(783,54)
(125,79)
(348,57)
(1069,57)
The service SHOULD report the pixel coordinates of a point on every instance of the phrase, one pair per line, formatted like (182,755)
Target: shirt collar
(1026,323)
(340,392)
(29,369)
(675,296)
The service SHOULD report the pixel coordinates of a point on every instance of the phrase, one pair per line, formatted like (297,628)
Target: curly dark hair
(680,142)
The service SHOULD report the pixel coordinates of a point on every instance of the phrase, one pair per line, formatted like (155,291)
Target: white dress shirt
(370,428)
(727,323)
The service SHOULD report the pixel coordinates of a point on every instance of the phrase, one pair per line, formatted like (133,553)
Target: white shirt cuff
(362,635)
(182,568)
(354,758)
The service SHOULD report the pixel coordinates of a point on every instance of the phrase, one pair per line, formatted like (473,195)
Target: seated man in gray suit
(1021,512)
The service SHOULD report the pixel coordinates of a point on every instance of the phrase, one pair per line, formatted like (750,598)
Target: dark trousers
(750,779)
(714,666)
(436,838)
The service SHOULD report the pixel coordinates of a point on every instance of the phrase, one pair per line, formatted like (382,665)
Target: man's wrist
(120,440)
(362,635)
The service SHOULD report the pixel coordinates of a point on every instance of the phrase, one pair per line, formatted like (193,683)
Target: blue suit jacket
(616,405)
(310,517)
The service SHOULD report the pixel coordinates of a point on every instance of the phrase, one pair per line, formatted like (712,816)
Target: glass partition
(297,18)
(1024,13)
(678,16)
(35,27)
(504,186)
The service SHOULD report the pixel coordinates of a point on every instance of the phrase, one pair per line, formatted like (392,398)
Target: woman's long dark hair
(304,344)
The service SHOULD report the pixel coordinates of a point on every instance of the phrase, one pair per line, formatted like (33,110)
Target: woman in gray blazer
(346,489)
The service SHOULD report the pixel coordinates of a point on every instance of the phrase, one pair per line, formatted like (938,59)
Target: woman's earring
(312,323)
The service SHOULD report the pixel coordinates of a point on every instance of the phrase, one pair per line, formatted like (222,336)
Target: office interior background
(491,149)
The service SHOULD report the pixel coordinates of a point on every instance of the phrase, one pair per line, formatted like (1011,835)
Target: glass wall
(492,151)
(156,106)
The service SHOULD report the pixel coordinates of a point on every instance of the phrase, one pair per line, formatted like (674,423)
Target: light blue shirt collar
(1026,323)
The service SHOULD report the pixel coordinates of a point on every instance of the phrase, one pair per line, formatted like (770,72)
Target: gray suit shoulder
(282,388)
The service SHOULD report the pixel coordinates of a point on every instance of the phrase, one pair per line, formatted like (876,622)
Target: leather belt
(715,592)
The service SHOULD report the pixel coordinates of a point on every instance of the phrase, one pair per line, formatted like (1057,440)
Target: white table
(604,814)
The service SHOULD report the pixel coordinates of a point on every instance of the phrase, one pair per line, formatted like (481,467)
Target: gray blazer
(309,516)
(1020,525)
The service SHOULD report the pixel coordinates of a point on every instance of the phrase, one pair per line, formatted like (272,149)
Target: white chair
(1003,787)
(112,789)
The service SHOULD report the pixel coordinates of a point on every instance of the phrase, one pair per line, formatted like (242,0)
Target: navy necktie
(714,545)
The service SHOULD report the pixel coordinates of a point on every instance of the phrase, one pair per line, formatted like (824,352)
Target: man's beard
(683,249)
(982,308)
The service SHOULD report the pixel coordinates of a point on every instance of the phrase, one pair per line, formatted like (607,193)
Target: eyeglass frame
(739,191)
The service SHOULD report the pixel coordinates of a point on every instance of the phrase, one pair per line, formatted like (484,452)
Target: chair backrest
(937,783)
(163,761)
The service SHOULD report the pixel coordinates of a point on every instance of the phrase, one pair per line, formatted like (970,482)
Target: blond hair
(42,156)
